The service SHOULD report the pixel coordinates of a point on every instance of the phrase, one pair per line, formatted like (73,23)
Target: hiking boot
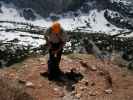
(44,74)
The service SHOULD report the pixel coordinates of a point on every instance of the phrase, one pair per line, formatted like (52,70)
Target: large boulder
(28,14)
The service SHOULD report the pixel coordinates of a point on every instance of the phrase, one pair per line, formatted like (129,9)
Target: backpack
(56,28)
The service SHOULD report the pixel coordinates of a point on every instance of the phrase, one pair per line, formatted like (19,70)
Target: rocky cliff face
(45,7)
(117,12)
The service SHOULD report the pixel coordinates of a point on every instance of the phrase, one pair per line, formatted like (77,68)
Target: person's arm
(63,39)
(46,36)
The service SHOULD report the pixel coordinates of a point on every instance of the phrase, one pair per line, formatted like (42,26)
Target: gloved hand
(55,51)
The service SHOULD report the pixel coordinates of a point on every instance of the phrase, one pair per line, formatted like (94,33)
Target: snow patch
(93,22)
(26,40)
(10,13)
(125,2)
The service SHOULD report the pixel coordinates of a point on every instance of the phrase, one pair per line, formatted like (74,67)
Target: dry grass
(11,90)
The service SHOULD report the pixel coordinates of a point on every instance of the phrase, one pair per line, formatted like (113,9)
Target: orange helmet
(56,27)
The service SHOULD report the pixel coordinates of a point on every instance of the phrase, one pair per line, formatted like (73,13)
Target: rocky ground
(85,78)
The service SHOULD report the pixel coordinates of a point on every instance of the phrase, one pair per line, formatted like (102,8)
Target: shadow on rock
(66,79)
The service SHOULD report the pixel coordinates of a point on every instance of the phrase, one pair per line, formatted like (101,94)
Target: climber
(56,38)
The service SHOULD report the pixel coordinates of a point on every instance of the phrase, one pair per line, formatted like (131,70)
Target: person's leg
(51,65)
(59,56)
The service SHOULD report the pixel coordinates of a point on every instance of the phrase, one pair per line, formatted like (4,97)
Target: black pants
(54,61)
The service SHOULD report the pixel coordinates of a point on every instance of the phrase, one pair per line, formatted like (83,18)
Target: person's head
(54,18)
(56,27)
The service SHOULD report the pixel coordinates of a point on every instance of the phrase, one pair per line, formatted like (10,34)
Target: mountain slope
(94,21)
(94,15)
